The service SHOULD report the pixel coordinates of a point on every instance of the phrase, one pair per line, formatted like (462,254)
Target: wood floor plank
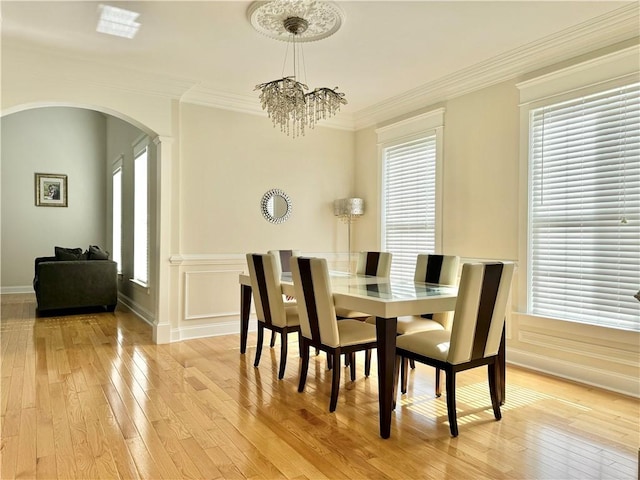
(65,459)
(46,468)
(89,395)
(26,465)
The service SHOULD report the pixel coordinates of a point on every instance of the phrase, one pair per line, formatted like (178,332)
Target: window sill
(140,285)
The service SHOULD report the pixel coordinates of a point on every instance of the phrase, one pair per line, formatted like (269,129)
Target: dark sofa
(63,284)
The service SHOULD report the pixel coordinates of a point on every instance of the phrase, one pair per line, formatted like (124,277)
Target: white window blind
(140,217)
(585,209)
(117,217)
(409,213)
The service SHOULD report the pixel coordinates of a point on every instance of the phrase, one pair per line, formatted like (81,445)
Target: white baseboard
(228,327)
(22,289)
(140,312)
(625,384)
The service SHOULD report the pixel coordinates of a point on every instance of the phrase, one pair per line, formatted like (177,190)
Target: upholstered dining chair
(430,268)
(319,325)
(475,335)
(377,264)
(283,261)
(272,311)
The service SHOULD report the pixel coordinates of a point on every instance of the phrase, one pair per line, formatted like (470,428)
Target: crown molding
(617,26)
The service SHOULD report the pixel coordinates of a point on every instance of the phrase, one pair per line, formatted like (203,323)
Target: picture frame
(50,190)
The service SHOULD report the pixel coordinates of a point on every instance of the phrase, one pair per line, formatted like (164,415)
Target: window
(410,214)
(140,220)
(584,209)
(116,218)
(409,203)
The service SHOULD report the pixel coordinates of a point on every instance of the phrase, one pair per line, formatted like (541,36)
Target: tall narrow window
(140,220)
(116,218)
(584,250)
(409,202)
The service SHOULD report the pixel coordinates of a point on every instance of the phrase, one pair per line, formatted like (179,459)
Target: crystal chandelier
(287,101)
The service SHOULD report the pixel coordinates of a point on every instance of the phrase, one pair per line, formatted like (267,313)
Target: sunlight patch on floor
(475,397)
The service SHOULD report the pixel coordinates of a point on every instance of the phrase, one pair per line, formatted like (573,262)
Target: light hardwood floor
(90,396)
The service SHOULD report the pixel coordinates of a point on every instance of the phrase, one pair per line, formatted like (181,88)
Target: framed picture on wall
(51,190)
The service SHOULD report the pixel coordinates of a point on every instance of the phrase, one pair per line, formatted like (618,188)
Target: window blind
(409,214)
(117,218)
(140,220)
(585,209)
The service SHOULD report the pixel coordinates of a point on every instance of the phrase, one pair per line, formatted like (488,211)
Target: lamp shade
(348,207)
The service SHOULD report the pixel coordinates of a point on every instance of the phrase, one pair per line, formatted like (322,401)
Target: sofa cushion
(96,253)
(63,253)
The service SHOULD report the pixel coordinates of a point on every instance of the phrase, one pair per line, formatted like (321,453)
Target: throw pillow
(63,253)
(96,253)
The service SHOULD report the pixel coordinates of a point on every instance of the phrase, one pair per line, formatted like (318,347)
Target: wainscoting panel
(598,356)
(211,294)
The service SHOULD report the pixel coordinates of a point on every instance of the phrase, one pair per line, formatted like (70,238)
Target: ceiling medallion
(324,18)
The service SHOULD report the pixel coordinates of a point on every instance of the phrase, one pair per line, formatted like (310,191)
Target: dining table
(386,299)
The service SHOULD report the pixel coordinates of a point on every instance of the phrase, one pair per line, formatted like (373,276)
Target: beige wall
(229,160)
(480,178)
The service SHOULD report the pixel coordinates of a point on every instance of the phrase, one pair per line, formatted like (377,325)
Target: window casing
(411,165)
(584,208)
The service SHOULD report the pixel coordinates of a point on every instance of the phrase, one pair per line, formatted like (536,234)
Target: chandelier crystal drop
(287,101)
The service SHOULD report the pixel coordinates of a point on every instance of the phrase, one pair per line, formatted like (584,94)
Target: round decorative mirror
(276,206)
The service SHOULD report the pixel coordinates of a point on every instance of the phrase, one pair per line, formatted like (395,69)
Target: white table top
(381,297)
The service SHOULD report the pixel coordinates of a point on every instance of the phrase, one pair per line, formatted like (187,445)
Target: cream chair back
(377,264)
(317,313)
(480,311)
(442,269)
(267,291)
(283,258)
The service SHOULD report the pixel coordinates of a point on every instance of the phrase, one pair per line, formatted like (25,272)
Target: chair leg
(352,365)
(367,362)
(304,366)
(283,353)
(412,364)
(404,374)
(300,343)
(396,376)
(329,362)
(494,387)
(272,343)
(335,382)
(259,344)
(451,402)
(438,387)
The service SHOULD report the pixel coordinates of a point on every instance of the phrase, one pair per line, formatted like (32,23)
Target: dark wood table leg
(245,309)
(386,336)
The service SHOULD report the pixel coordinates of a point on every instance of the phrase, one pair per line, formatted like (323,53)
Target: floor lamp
(348,209)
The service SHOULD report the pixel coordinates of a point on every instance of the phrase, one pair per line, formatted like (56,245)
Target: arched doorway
(83,143)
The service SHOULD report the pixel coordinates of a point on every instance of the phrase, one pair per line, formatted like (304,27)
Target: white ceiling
(383,50)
